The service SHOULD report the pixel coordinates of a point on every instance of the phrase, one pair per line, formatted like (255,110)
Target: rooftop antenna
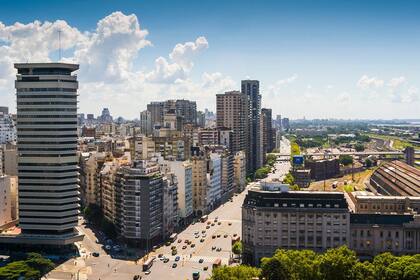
(59,45)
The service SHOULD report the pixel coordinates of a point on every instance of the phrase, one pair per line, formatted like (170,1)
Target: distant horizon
(319,59)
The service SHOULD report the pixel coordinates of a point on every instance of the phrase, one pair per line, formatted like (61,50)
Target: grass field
(357,184)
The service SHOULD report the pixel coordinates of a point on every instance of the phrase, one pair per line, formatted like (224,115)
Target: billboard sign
(297,160)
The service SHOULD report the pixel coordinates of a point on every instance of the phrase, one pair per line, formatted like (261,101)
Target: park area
(351,185)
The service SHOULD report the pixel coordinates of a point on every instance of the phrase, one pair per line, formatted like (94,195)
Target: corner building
(47,143)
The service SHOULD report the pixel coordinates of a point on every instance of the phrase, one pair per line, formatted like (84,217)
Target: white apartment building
(183,173)
(7,128)
(214,180)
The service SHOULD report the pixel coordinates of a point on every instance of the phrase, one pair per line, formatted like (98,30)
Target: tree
(359,147)
(32,267)
(274,269)
(235,273)
(363,271)
(368,163)
(289,179)
(237,248)
(346,159)
(337,263)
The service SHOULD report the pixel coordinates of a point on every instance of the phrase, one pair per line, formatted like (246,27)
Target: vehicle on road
(218,249)
(219,223)
(166,260)
(160,255)
(205,268)
(213,248)
(217,263)
(218,235)
(173,237)
(136,277)
(174,252)
(179,240)
(95,254)
(168,243)
(202,240)
(148,272)
(207,227)
(148,264)
(203,231)
(213,236)
(196,275)
(200,260)
(192,245)
(177,258)
(225,236)
(184,247)
(204,218)
(174,265)
(229,223)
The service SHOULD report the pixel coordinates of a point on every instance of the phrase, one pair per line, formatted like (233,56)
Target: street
(229,215)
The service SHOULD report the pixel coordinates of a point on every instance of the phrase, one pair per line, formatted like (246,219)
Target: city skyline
(306,56)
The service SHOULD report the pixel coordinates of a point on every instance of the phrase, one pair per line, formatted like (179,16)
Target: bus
(148,264)
(196,275)
(217,263)
(204,218)
(173,237)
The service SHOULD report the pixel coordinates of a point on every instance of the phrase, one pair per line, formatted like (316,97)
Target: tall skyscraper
(232,113)
(267,130)
(146,125)
(255,153)
(47,144)
(156,108)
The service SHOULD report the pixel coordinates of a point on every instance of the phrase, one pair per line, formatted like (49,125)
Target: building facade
(251,88)
(293,220)
(232,113)
(139,204)
(47,143)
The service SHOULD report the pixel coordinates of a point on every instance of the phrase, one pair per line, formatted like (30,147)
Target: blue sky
(359,57)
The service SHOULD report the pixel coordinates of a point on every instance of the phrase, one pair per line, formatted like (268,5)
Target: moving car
(177,258)
(200,260)
(95,254)
(174,265)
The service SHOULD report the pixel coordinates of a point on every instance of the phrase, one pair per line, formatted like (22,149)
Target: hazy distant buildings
(156,108)
(251,88)
(47,145)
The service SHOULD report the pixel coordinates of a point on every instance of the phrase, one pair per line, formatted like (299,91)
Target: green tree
(274,269)
(368,163)
(289,179)
(337,263)
(346,159)
(359,147)
(363,271)
(240,272)
(237,248)
(31,267)
(412,272)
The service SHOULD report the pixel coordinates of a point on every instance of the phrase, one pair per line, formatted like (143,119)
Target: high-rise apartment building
(47,143)
(232,113)
(146,125)
(251,88)
(156,108)
(266,131)
(139,203)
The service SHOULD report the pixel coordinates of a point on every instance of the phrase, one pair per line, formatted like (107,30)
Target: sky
(314,58)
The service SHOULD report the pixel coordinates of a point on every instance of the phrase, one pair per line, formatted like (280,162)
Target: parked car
(95,254)
(200,260)
(174,265)
(177,258)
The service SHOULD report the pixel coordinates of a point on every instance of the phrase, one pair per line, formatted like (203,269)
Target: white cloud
(183,54)
(366,82)
(181,58)
(343,97)
(107,75)
(396,82)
